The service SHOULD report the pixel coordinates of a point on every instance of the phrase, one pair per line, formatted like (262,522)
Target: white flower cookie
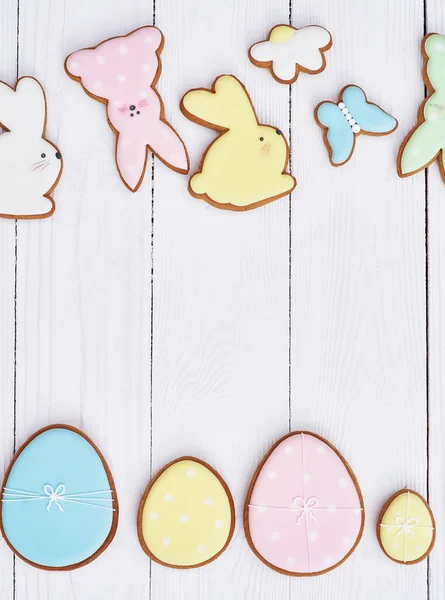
(287,51)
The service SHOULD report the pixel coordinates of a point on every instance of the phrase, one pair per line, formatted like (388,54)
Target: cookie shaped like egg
(59,508)
(186,517)
(304,510)
(406,529)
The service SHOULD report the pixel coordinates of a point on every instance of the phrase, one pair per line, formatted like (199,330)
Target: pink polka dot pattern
(304,511)
(122,72)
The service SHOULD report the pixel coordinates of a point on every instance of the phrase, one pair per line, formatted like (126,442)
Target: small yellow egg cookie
(186,517)
(406,529)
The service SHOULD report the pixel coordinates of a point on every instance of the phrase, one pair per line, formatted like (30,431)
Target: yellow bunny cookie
(245,166)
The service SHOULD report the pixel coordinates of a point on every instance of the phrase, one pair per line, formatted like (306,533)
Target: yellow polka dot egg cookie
(186,517)
(406,529)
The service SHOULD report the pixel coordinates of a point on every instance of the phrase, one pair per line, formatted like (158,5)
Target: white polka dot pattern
(303,520)
(193,511)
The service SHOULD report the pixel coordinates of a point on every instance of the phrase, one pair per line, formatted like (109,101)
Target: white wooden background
(162,326)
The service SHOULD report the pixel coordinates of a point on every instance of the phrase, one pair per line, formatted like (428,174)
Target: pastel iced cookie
(288,50)
(59,508)
(245,167)
(304,510)
(406,530)
(30,165)
(344,121)
(122,73)
(186,517)
(426,141)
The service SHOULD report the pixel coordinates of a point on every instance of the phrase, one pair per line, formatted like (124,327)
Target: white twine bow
(306,507)
(406,525)
(54,496)
(57,496)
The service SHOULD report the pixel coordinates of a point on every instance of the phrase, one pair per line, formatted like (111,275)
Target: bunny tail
(197,184)
(131,158)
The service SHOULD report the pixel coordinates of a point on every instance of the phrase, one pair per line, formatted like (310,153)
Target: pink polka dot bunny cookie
(122,72)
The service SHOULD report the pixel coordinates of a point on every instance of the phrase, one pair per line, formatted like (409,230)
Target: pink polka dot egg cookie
(304,512)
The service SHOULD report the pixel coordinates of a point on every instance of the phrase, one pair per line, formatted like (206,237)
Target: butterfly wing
(422,147)
(339,134)
(370,117)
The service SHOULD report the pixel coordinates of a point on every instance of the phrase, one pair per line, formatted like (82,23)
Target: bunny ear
(131,159)
(32,99)
(168,147)
(23,110)
(421,148)
(131,153)
(226,106)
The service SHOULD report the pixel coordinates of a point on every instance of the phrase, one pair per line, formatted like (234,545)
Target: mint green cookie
(428,138)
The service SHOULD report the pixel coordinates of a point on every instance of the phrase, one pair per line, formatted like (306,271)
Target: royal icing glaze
(352,115)
(245,166)
(287,51)
(59,507)
(123,72)
(30,165)
(304,510)
(186,517)
(406,529)
(427,140)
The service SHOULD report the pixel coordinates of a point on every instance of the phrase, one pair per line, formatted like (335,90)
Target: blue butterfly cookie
(344,121)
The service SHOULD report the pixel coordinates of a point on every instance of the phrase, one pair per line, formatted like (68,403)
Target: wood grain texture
(8,74)
(358,283)
(84,297)
(435,21)
(219,307)
(220,368)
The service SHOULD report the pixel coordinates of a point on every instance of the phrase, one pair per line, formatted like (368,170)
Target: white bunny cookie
(245,167)
(30,165)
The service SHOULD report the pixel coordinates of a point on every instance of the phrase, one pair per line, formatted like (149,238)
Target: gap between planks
(427,385)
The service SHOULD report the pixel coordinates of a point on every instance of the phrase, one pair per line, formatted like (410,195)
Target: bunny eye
(261,139)
(43,155)
(278,132)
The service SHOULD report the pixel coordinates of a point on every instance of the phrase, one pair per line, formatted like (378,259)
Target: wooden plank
(221,293)
(358,286)
(84,297)
(435,16)
(8,74)
(220,370)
